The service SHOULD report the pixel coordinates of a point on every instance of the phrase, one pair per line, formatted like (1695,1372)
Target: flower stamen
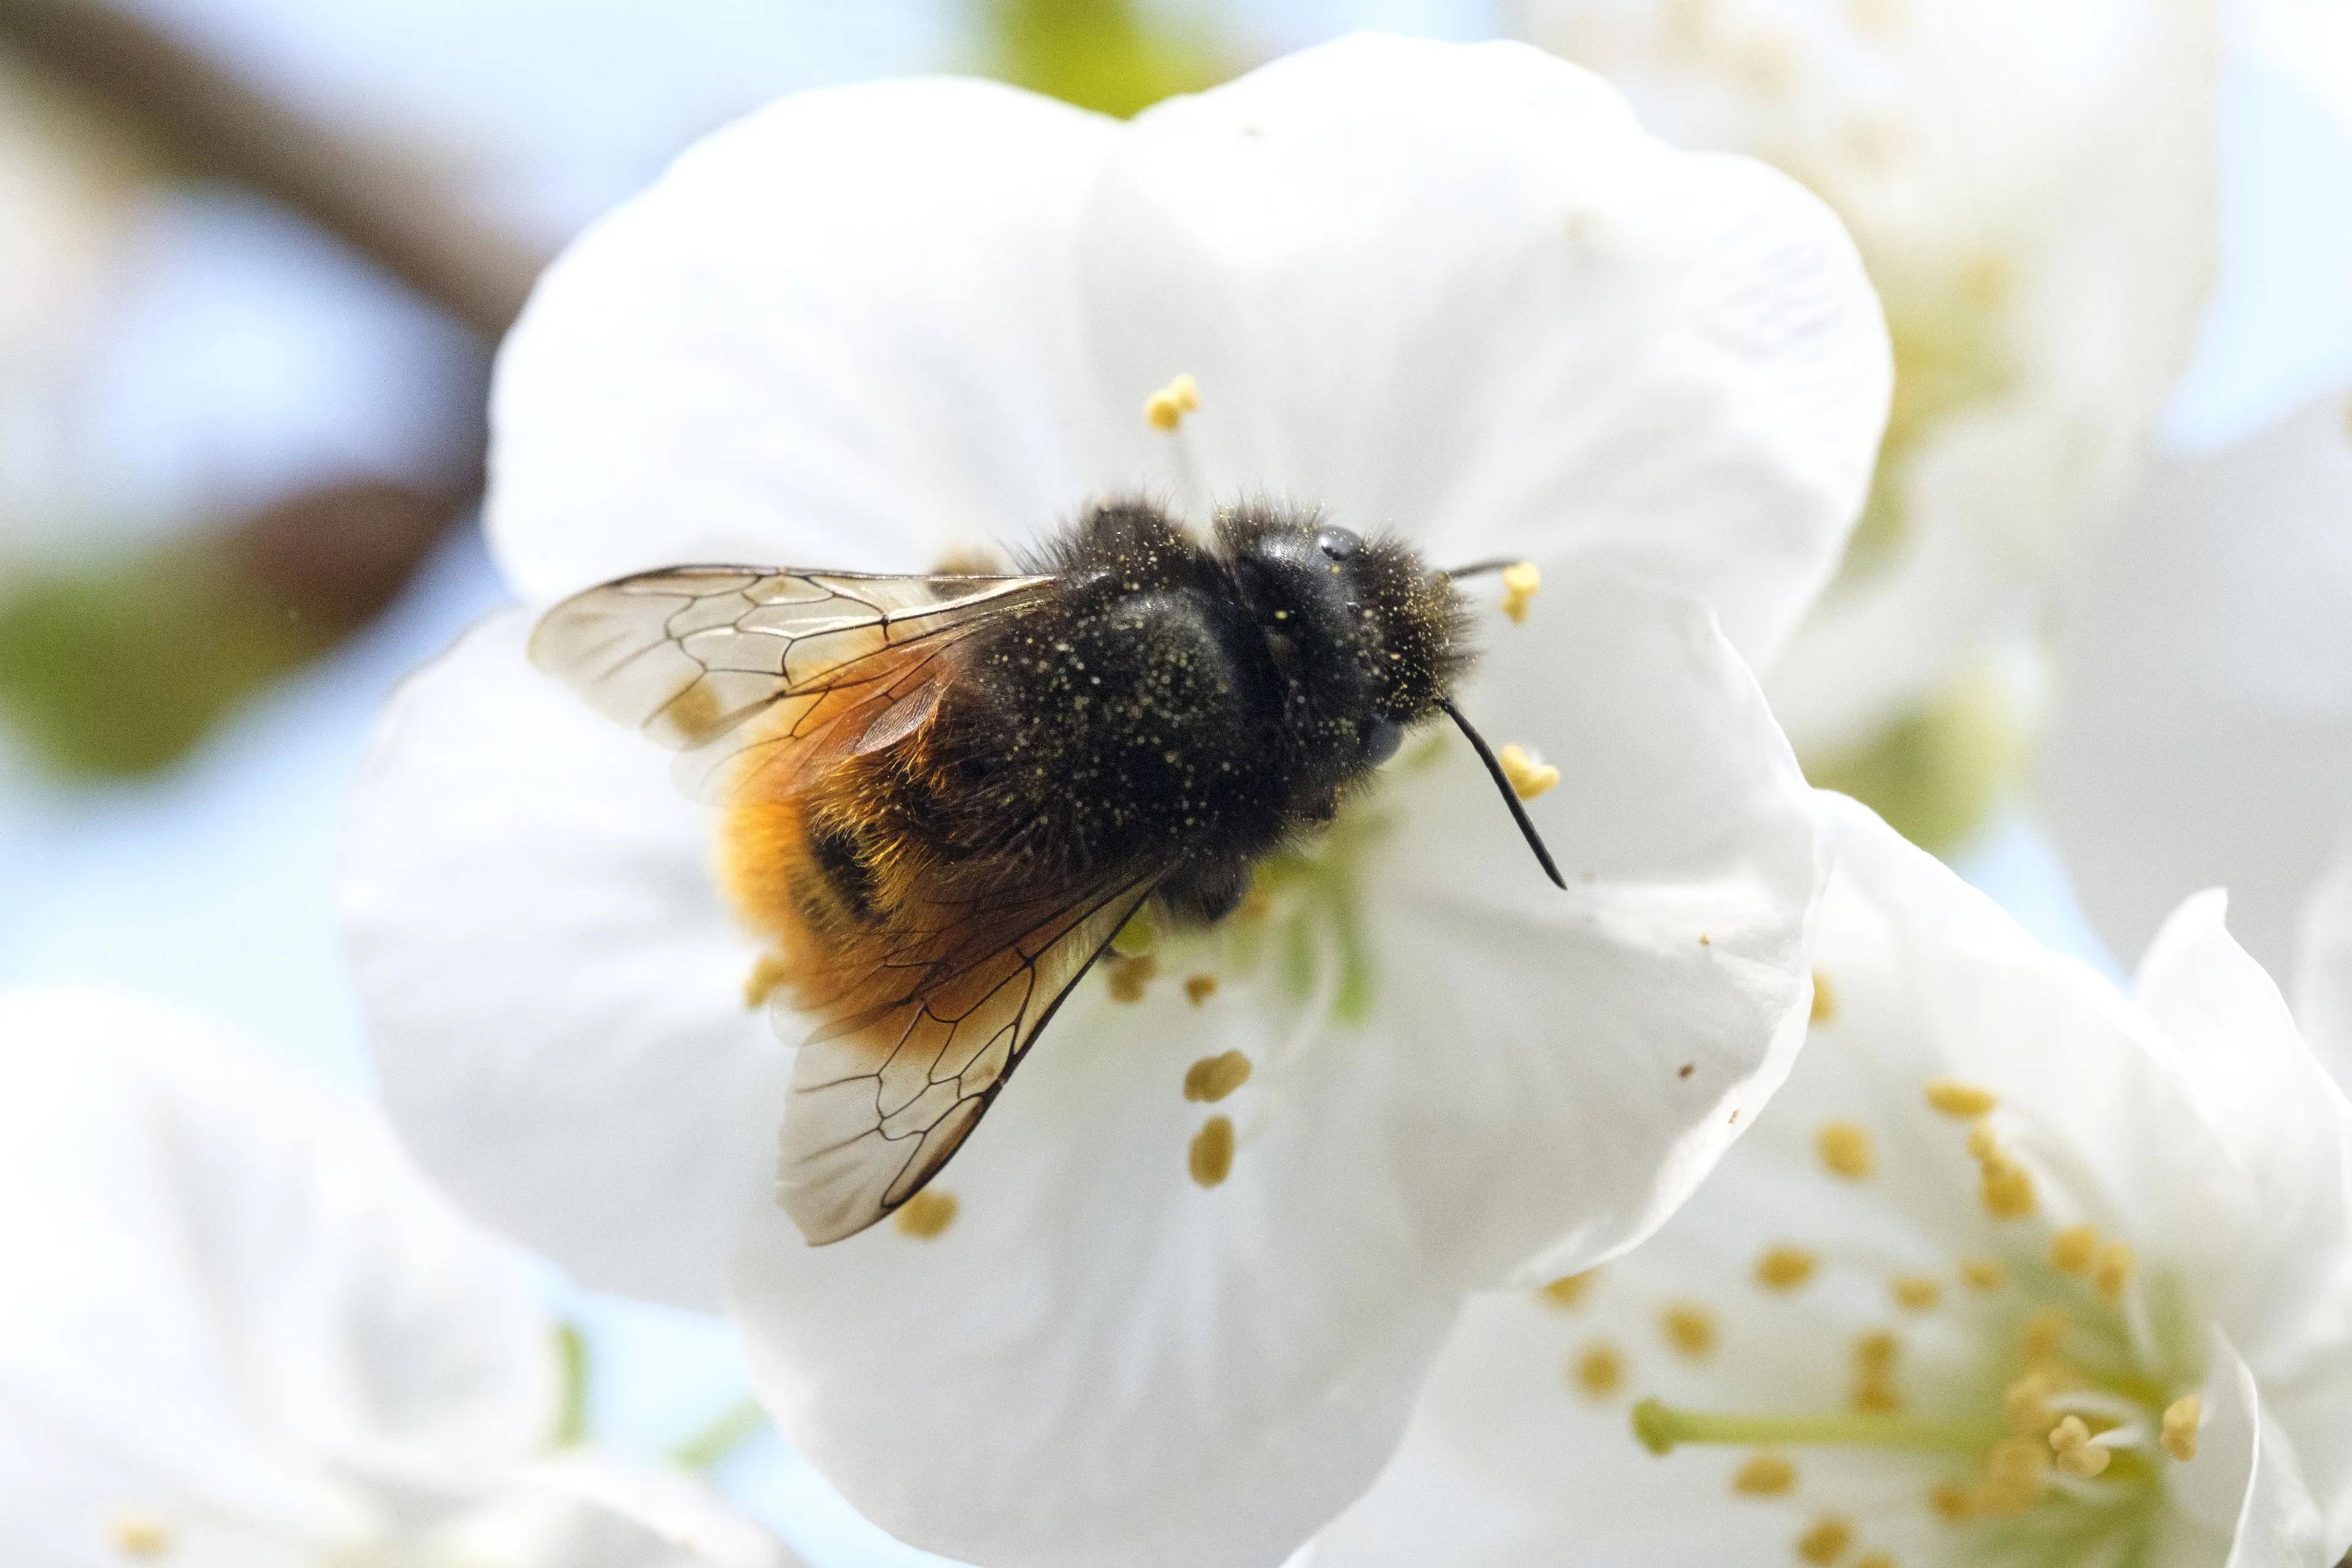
(1520,580)
(1529,774)
(140,1535)
(1166,408)
(1785,1267)
(1661,1428)
(926,1213)
(1210,1159)
(1211,1079)
(1845,1148)
(2180,1422)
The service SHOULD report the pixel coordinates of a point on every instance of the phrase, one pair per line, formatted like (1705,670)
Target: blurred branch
(393,214)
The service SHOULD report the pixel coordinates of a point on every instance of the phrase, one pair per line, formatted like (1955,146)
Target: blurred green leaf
(1103,55)
(1936,774)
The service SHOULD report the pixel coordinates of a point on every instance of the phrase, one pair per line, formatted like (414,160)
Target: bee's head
(1368,633)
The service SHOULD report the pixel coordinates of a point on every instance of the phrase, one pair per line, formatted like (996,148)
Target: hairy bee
(946,793)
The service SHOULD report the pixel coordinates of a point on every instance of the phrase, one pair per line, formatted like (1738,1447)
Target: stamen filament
(1661,1428)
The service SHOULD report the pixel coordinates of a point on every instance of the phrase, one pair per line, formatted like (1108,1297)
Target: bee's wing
(925,1024)
(688,655)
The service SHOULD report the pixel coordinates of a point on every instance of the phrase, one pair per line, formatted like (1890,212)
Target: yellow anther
(1689,1329)
(771,971)
(2069,1435)
(1129,978)
(2071,1249)
(1983,1142)
(1845,1149)
(2040,1335)
(926,1213)
(2016,1474)
(1211,1157)
(1785,1267)
(1950,1500)
(1764,1474)
(2181,1419)
(2084,1459)
(1199,988)
(1875,1559)
(1962,1099)
(2008,1190)
(1599,1371)
(1529,774)
(1916,1292)
(1520,581)
(1826,1541)
(1211,1079)
(1875,1392)
(1570,1289)
(140,1535)
(1824,999)
(1984,1273)
(2112,1271)
(1166,408)
(2026,1406)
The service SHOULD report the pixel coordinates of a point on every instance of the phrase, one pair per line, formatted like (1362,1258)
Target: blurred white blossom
(1456,293)
(237,1330)
(2015,1271)
(2030,184)
(2199,729)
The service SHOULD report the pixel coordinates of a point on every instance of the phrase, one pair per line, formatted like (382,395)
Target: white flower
(237,1330)
(1994,1197)
(1451,291)
(2031,186)
(2323,972)
(2200,722)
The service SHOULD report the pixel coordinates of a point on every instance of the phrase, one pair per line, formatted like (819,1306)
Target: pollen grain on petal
(1690,1329)
(1964,1100)
(1845,1148)
(1785,1267)
(1529,774)
(1916,1292)
(136,1534)
(1829,1540)
(2180,1421)
(1598,1370)
(1568,1291)
(926,1213)
(1875,1392)
(1211,1156)
(1764,1474)
(1199,988)
(1211,1079)
(1520,580)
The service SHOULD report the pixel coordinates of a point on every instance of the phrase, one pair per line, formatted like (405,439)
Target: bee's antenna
(1510,796)
(1479,568)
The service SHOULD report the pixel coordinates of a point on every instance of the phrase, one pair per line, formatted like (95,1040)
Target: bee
(946,794)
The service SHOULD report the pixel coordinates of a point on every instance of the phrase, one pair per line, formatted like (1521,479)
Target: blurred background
(255,255)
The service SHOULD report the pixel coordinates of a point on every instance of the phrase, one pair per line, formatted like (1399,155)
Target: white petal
(553,984)
(1458,292)
(841,332)
(2244,1490)
(221,1282)
(2032,190)
(586,1511)
(2201,725)
(2287,1124)
(2323,970)
(1101,1361)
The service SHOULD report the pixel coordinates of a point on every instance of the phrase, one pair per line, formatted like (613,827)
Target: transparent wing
(926,1023)
(691,655)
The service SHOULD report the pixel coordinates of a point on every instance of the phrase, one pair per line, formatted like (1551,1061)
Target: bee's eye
(1339,544)
(1381,739)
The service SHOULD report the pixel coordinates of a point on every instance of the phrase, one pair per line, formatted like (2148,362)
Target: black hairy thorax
(1197,705)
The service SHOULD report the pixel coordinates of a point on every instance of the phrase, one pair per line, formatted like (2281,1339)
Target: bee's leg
(1203,892)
